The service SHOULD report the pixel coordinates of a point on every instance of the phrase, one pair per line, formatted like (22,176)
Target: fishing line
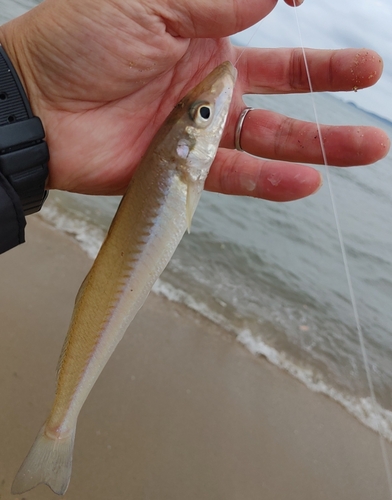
(346,266)
(247,45)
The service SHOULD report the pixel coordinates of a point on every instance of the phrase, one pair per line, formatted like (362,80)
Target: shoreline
(182,410)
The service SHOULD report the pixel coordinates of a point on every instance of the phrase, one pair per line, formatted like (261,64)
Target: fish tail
(49,461)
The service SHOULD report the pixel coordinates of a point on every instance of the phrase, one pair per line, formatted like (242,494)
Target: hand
(103,75)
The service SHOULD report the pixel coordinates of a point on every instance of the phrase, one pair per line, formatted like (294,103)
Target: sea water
(272,274)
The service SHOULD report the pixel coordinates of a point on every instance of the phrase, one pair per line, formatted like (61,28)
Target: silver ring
(238,128)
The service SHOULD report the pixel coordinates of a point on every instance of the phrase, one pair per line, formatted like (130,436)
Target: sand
(182,411)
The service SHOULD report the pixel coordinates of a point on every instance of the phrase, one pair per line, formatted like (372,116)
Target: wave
(89,237)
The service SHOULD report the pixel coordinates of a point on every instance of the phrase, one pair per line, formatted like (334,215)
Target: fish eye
(201,113)
(204,112)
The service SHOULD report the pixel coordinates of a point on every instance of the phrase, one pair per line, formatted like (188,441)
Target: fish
(150,222)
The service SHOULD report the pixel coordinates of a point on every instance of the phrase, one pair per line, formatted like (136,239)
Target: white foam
(377,418)
(89,237)
(180,296)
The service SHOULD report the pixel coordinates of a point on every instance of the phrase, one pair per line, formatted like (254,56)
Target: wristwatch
(24,155)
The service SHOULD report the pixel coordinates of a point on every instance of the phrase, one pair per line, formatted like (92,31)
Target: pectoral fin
(194,190)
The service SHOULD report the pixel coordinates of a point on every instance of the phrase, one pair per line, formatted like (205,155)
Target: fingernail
(320,184)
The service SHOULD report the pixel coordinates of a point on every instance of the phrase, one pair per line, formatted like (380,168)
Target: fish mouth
(227,68)
(222,77)
(221,80)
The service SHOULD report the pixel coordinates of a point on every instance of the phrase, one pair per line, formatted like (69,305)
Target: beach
(181,411)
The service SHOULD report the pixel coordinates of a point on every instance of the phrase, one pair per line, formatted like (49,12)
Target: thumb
(212,19)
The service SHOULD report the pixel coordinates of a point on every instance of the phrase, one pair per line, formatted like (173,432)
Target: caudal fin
(49,461)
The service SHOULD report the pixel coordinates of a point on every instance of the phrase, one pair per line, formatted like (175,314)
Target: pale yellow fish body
(147,228)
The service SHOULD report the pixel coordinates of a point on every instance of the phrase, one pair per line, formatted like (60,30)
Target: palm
(97,142)
(110,72)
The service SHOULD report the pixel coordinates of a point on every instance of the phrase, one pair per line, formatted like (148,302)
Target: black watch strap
(24,154)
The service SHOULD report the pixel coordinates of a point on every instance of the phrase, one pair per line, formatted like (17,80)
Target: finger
(240,174)
(280,71)
(271,135)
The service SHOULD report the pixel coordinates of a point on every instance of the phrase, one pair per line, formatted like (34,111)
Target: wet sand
(182,411)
